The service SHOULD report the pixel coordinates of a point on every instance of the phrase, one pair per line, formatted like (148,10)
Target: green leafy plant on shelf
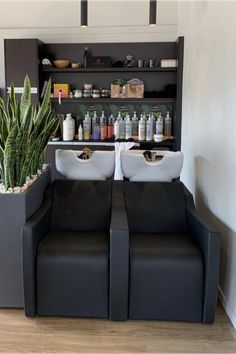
(24,133)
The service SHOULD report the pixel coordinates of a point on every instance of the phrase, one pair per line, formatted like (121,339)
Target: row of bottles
(103,128)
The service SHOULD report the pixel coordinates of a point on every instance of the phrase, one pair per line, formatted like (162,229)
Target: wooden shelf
(50,69)
(113,100)
(167,142)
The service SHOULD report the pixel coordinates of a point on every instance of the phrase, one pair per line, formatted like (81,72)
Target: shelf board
(50,69)
(112,100)
(167,142)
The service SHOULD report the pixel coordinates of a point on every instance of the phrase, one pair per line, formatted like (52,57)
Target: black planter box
(15,210)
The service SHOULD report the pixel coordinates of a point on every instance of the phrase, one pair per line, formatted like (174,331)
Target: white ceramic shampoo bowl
(99,167)
(136,168)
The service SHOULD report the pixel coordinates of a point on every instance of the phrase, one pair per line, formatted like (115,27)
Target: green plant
(24,133)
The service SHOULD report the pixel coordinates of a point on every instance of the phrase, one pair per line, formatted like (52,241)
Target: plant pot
(15,210)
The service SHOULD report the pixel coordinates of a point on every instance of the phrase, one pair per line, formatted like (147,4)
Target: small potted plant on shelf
(24,133)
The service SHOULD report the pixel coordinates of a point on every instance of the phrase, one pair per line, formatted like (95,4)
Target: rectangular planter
(15,210)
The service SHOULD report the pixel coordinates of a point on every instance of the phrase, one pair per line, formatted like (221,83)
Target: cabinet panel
(21,58)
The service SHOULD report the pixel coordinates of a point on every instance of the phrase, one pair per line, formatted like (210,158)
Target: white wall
(209,124)
(109,21)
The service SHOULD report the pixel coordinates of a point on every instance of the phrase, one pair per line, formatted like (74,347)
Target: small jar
(87,93)
(78,94)
(105,93)
(96,94)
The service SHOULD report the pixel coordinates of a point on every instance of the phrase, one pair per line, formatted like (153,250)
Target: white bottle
(80,132)
(128,128)
(141,129)
(94,119)
(117,130)
(149,129)
(168,125)
(159,125)
(135,126)
(68,128)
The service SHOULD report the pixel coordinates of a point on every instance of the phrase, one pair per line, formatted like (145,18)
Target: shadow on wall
(227,235)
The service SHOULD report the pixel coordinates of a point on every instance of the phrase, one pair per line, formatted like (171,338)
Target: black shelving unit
(30,52)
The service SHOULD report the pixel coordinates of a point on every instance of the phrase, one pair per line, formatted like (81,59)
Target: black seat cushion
(81,205)
(166,277)
(72,274)
(156,207)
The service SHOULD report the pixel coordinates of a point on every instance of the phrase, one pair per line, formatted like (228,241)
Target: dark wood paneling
(21,58)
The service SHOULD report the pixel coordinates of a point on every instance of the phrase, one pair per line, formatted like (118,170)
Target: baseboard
(227,307)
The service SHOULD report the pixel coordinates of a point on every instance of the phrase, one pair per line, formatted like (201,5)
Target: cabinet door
(21,58)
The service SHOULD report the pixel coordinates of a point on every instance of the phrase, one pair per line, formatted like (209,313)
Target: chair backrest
(81,205)
(156,207)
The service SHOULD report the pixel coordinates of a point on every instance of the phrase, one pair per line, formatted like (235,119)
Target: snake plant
(24,133)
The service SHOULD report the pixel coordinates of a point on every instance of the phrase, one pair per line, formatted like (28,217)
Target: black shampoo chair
(66,251)
(174,254)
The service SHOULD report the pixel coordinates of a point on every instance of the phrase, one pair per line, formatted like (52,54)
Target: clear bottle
(97,130)
(135,126)
(119,117)
(103,123)
(110,127)
(141,129)
(94,118)
(159,125)
(122,128)
(80,132)
(117,130)
(128,128)
(86,128)
(149,129)
(168,125)
(154,122)
(68,128)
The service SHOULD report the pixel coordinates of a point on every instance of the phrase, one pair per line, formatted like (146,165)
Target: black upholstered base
(166,278)
(72,274)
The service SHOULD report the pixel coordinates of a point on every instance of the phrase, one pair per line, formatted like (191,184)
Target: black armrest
(119,255)
(209,241)
(32,233)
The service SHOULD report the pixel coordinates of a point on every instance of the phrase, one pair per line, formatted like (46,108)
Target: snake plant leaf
(9,159)
(46,104)
(25,100)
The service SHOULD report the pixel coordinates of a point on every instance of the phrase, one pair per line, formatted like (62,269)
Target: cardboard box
(64,88)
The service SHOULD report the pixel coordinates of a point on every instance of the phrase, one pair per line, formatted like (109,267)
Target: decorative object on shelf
(168,63)
(129,61)
(135,88)
(105,93)
(78,93)
(96,94)
(85,57)
(140,63)
(152,12)
(61,64)
(83,13)
(99,62)
(61,90)
(75,65)
(88,86)
(118,88)
(87,93)
(46,62)
(118,64)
